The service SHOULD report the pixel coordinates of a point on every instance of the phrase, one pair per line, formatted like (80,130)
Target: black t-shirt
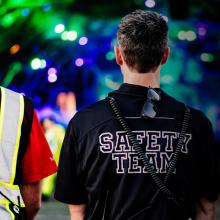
(99,167)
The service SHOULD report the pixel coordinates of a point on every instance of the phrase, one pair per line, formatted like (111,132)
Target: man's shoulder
(199,119)
(197,115)
(93,110)
(92,116)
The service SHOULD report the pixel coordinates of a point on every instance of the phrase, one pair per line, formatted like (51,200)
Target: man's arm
(205,210)
(31,194)
(77,212)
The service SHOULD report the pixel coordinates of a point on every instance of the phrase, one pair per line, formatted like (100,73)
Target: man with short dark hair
(139,154)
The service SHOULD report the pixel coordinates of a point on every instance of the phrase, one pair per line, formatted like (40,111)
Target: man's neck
(149,79)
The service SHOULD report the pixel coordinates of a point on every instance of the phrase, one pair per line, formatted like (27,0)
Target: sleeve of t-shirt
(209,161)
(70,185)
(38,161)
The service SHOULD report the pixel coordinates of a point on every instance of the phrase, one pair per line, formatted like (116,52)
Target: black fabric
(99,167)
(25,135)
(18,212)
(138,149)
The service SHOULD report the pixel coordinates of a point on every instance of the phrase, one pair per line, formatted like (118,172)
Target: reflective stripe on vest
(11,117)
(11,192)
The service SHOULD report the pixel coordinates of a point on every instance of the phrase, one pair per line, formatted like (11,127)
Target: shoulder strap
(141,154)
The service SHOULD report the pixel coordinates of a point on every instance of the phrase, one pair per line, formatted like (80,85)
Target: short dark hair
(142,37)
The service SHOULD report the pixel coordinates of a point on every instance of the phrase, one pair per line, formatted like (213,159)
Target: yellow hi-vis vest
(11,117)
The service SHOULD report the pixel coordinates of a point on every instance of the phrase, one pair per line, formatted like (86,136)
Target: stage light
(52,78)
(207,57)
(150,3)
(15,48)
(110,55)
(190,35)
(52,71)
(35,63)
(72,35)
(83,41)
(79,62)
(59,28)
(64,35)
(25,12)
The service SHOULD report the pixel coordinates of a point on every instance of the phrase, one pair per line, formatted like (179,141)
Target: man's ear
(118,55)
(165,55)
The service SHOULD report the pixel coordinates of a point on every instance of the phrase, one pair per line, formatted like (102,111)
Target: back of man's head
(142,37)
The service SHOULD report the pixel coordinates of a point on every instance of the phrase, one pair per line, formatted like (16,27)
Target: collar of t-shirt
(177,108)
(136,90)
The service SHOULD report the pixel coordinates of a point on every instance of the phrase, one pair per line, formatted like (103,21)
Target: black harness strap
(141,154)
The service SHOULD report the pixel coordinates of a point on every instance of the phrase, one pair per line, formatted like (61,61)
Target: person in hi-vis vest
(25,157)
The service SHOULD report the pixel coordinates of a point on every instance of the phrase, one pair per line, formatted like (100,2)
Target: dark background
(30,46)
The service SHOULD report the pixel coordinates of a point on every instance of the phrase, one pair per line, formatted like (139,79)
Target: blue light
(25,12)
(47,7)
(43,63)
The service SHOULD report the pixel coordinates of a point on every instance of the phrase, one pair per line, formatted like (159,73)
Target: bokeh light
(79,62)
(43,64)
(181,35)
(207,57)
(167,79)
(52,78)
(110,55)
(72,35)
(191,35)
(187,35)
(150,3)
(7,20)
(83,41)
(25,12)
(59,28)
(54,42)
(52,71)
(35,63)
(47,7)
(202,31)
(64,35)
(15,48)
